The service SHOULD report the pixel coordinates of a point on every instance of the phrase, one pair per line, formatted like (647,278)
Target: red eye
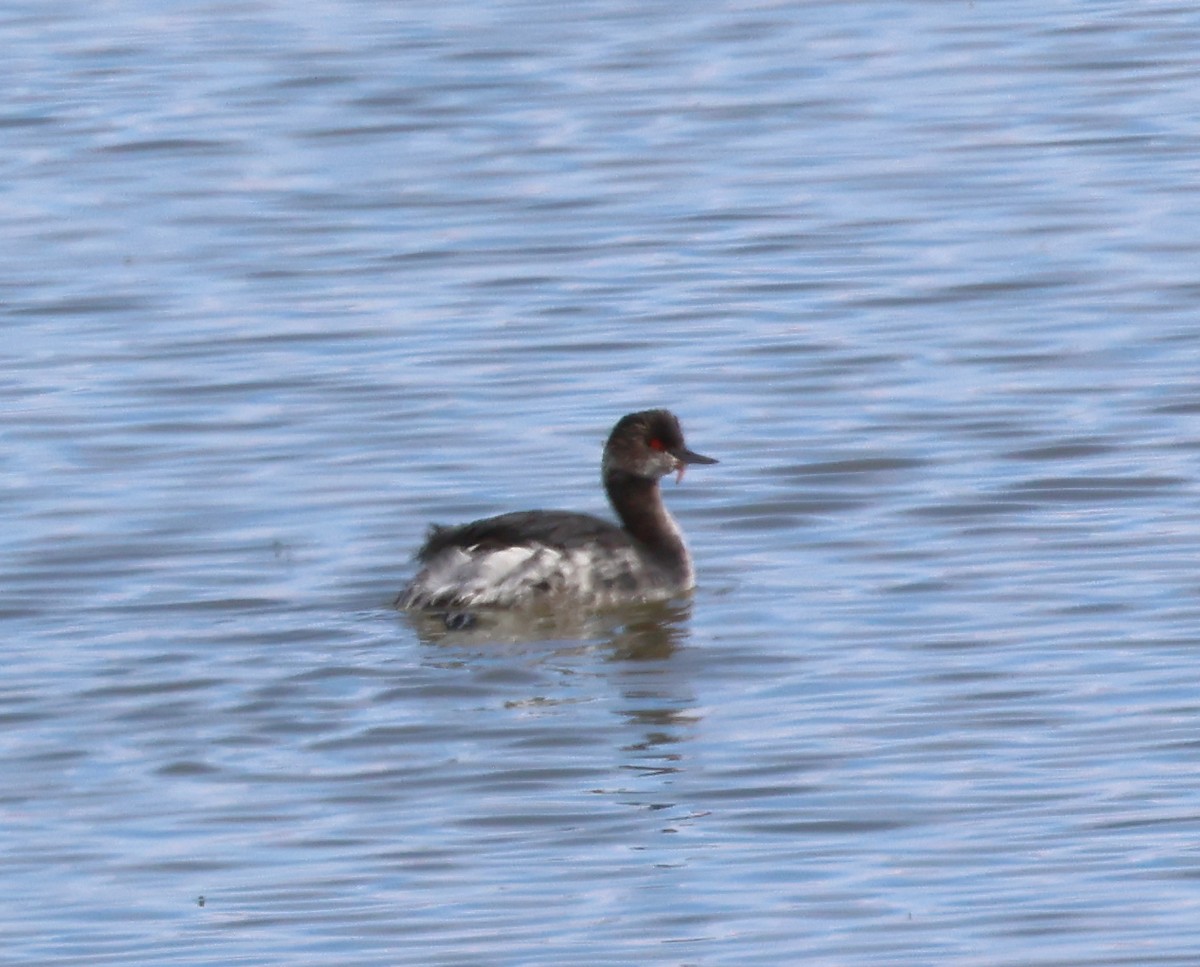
(657,444)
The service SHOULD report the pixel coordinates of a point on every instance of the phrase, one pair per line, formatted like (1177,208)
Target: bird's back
(523,558)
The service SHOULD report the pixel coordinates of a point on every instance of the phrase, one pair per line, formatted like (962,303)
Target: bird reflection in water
(636,632)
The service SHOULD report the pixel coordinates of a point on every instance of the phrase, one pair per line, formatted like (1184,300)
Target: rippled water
(284,283)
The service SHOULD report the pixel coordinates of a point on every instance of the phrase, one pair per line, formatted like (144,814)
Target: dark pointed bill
(685,457)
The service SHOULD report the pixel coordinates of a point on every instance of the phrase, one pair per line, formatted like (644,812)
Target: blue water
(281,284)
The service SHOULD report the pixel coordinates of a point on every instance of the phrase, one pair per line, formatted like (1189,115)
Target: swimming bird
(551,557)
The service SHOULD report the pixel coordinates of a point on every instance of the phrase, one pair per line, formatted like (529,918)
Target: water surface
(282,285)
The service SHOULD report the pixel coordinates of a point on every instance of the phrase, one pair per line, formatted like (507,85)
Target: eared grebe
(529,557)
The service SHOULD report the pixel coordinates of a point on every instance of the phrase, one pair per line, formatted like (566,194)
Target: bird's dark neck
(639,504)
